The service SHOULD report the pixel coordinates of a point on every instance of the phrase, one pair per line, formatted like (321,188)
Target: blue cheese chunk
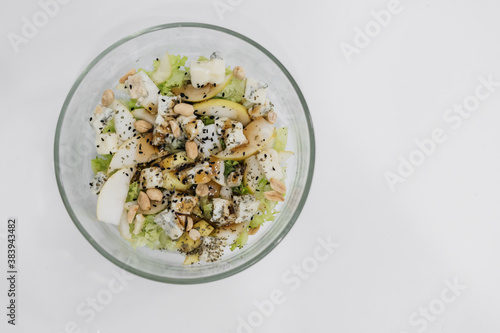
(167,220)
(234,136)
(142,88)
(255,92)
(270,163)
(211,249)
(204,72)
(245,207)
(98,181)
(107,143)
(221,213)
(208,141)
(102,115)
(162,132)
(151,178)
(183,203)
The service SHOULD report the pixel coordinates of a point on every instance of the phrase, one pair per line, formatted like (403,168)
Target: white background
(396,250)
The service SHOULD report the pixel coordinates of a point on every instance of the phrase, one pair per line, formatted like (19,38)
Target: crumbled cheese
(211,249)
(207,71)
(167,220)
(269,161)
(183,203)
(245,207)
(234,135)
(151,178)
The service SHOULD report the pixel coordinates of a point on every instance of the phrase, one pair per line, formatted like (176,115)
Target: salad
(189,157)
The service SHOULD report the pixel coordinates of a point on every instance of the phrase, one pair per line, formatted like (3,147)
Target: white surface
(396,248)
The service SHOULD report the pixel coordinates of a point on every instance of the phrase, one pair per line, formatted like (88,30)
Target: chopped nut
(181,221)
(239,72)
(278,185)
(234,179)
(184,109)
(176,131)
(191,149)
(98,109)
(253,231)
(202,190)
(192,129)
(272,117)
(255,112)
(143,201)
(274,196)
(189,224)
(107,97)
(154,194)
(142,126)
(131,213)
(194,234)
(125,77)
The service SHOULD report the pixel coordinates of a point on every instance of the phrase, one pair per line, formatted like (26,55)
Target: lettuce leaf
(131,104)
(267,210)
(179,75)
(234,91)
(110,126)
(242,189)
(207,120)
(207,208)
(229,166)
(152,236)
(133,191)
(240,241)
(281,139)
(101,164)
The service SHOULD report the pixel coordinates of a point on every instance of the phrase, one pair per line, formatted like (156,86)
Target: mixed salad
(190,159)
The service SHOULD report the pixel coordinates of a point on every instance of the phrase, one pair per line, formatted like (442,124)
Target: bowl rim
(238,268)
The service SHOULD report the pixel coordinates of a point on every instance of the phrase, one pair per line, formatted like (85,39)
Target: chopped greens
(229,166)
(101,164)
(133,191)
(152,236)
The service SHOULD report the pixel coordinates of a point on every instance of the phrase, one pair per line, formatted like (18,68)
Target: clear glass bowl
(74,145)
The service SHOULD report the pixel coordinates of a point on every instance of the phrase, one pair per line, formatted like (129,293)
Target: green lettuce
(207,120)
(240,241)
(101,164)
(179,75)
(110,126)
(234,91)
(281,139)
(152,236)
(206,207)
(267,211)
(133,191)
(229,166)
(242,189)
(131,104)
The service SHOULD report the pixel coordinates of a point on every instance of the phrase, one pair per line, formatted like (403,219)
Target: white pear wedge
(111,199)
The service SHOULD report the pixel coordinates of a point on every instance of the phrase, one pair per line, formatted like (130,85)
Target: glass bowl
(74,145)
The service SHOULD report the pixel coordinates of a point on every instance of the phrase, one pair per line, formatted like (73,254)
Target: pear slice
(163,71)
(253,173)
(142,114)
(283,156)
(175,161)
(111,199)
(230,232)
(191,94)
(124,227)
(223,108)
(136,150)
(124,121)
(171,182)
(258,133)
